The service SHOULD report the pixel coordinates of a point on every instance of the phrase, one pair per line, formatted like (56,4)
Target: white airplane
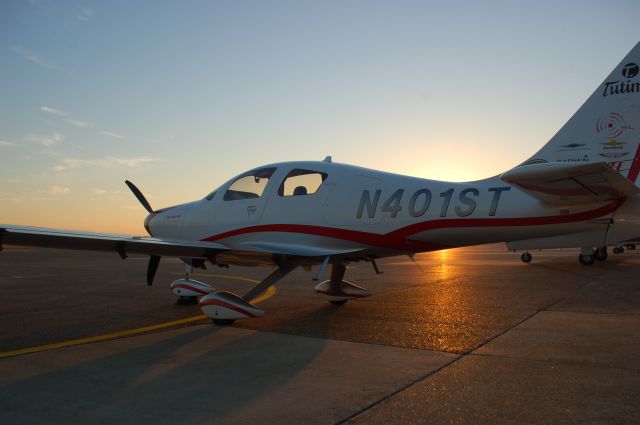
(578,190)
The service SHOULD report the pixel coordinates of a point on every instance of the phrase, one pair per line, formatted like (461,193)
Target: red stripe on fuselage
(398,239)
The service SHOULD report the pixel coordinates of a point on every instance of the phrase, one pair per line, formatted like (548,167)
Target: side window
(301,182)
(249,185)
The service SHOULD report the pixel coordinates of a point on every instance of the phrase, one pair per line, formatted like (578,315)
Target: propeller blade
(139,195)
(154,262)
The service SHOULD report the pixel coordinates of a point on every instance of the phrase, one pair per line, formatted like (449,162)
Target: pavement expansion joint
(399,390)
(556,361)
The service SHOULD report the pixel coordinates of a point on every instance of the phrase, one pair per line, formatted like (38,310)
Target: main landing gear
(337,290)
(601,253)
(526,257)
(224,308)
(588,255)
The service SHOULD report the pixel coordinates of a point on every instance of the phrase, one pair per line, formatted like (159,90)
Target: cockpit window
(301,182)
(249,185)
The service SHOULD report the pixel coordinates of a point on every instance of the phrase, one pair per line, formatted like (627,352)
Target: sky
(180,96)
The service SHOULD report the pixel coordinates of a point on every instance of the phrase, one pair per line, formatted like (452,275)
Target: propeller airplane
(579,190)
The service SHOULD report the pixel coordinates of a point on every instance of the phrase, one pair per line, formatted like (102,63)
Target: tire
(586,260)
(601,254)
(618,250)
(182,300)
(223,322)
(526,257)
(338,303)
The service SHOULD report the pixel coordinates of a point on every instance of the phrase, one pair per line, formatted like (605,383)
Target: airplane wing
(560,183)
(246,254)
(91,241)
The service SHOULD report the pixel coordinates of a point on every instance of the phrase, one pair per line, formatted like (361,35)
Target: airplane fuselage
(383,213)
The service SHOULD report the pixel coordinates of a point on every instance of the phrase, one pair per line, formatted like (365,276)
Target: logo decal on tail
(613,144)
(611,125)
(630,70)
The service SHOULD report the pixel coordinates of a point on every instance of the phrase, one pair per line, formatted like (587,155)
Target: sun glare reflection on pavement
(436,312)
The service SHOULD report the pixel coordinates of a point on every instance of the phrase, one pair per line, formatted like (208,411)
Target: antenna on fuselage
(327,158)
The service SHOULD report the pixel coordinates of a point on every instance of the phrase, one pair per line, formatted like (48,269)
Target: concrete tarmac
(466,336)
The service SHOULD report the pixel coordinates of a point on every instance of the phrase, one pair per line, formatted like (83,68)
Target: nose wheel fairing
(222,307)
(188,290)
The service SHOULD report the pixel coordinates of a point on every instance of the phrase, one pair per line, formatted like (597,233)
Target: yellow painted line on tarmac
(270,292)
(105,337)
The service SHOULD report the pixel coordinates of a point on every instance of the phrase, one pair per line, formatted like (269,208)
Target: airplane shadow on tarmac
(202,373)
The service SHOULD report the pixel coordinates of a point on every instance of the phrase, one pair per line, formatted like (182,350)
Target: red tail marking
(635,166)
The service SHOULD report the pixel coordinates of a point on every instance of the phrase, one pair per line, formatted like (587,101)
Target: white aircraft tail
(607,127)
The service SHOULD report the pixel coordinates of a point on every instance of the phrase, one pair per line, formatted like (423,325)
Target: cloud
(10,197)
(61,113)
(44,140)
(114,135)
(6,144)
(59,190)
(33,57)
(56,190)
(83,13)
(53,111)
(98,191)
(78,123)
(134,162)
(109,162)
(69,163)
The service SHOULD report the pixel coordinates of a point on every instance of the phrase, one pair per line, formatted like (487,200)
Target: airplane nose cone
(147,222)
(166,222)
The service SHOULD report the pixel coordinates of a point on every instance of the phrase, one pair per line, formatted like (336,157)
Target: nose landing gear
(188,290)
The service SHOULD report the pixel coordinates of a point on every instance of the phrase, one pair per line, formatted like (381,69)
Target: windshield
(249,185)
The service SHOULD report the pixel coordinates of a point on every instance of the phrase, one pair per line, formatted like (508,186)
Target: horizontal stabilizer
(562,183)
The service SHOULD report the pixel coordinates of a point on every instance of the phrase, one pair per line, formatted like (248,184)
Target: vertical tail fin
(607,127)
